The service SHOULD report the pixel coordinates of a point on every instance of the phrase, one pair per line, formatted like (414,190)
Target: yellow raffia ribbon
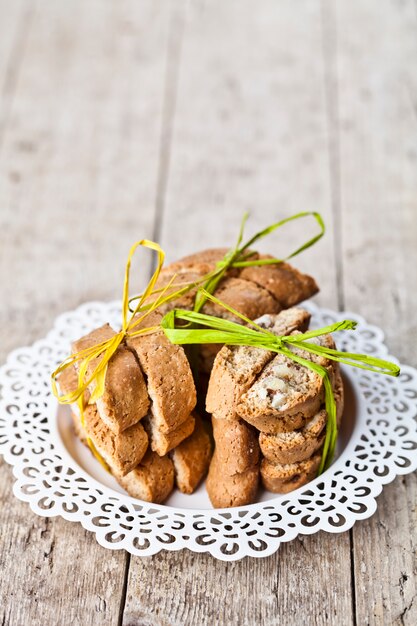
(106,349)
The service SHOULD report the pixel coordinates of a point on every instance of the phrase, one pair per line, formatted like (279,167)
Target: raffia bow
(203,328)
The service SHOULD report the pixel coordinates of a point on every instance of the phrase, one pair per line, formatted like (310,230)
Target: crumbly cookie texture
(226,491)
(183,277)
(283,478)
(161,442)
(169,378)
(68,382)
(236,367)
(285,389)
(237,446)
(121,452)
(298,445)
(125,399)
(249,299)
(295,446)
(252,291)
(205,261)
(152,480)
(283,281)
(191,458)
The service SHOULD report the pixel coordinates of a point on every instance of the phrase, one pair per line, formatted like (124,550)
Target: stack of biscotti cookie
(144,425)
(252,291)
(273,408)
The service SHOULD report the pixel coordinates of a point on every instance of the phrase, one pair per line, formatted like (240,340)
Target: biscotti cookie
(125,399)
(283,478)
(226,491)
(205,261)
(161,442)
(170,382)
(183,278)
(296,445)
(237,447)
(236,367)
(121,452)
(287,285)
(152,480)
(285,389)
(191,458)
(283,281)
(246,297)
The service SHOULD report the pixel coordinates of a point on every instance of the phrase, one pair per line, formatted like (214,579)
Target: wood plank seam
(173,61)
(14,64)
(331,86)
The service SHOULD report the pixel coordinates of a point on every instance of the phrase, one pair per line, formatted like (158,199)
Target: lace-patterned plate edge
(382,445)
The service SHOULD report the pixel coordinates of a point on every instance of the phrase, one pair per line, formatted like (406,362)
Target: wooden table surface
(120,120)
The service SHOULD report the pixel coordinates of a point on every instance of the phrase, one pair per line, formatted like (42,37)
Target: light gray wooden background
(120,120)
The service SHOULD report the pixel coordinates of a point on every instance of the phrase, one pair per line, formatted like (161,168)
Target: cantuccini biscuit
(191,458)
(125,399)
(121,452)
(283,281)
(226,491)
(246,297)
(161,442)
(296,445)
(152,480)
(182,278)
(205,261)
(283,478)
(287,285)
(78,427)
(169,379)
(285,389)
(237,446)
(236,367)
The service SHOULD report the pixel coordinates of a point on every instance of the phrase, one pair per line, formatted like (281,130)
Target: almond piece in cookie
(285,389)
(192,458)
(225,491)
(287,285)
(283,478)
(152,480)
(162,442)
(236,367)
(125,399)
(237,447)
(169,378)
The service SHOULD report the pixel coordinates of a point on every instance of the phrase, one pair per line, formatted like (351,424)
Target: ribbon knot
(106,349)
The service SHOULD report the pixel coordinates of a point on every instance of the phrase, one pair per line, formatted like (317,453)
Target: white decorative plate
(57,475)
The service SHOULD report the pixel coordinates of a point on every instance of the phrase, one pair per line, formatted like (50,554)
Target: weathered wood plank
(250,132)
(78,180)
(14,25)
(377,56)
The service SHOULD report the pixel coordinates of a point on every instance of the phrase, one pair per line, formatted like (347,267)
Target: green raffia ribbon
(201,328)
(240,256)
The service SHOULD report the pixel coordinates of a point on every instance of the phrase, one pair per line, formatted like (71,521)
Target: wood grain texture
(377,56)
(169,119)
(78,179)
(249,132)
